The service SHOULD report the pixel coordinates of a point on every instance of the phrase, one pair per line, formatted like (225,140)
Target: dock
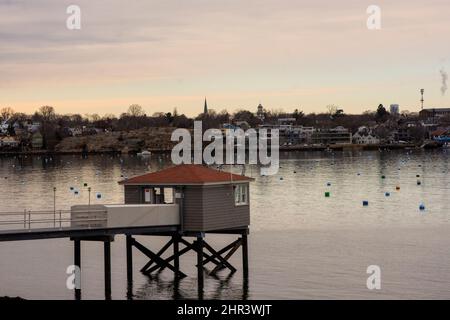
(204,201)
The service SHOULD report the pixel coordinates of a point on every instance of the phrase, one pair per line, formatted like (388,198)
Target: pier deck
(40,225)
(54,233)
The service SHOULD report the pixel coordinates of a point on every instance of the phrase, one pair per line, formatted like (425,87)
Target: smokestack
(444,78)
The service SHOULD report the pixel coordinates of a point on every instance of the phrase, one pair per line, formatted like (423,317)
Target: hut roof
(186,174)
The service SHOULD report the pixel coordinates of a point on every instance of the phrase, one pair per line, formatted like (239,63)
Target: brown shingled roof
(186,174)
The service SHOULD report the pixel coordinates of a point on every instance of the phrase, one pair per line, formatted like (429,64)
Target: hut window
(241,195)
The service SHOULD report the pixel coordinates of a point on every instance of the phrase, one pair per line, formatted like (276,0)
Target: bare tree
(47,113)
(332,110)
(6,113)
(135,110)
(92,117)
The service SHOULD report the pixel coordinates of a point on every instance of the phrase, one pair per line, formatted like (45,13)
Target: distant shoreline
(337,147)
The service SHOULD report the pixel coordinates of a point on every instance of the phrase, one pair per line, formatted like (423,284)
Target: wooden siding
(220,212)
(212,207)
(192,208)
(205,208)
(133,194)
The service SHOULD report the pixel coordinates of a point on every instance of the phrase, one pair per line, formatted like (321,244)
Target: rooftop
(186,174)
(437,109)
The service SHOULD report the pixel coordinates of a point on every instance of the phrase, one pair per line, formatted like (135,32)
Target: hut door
(148,195)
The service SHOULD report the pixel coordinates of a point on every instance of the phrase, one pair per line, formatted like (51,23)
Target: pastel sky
(162,54)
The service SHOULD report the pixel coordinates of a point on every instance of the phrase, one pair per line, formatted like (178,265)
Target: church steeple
(205,108)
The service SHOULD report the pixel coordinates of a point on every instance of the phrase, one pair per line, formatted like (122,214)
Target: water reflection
(303,244)
(216,287)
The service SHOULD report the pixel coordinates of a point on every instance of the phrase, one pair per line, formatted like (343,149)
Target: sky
(166,54)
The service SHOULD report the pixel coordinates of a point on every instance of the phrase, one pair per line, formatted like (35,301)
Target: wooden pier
(204,202)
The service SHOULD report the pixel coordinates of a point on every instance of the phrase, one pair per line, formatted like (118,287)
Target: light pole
(422,91)
(89,203)
(54,206)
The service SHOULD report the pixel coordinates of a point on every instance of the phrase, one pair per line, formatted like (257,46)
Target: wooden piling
(77,263)
(176,250)
(245,255)
(107,258)
(200,266)
(129,244)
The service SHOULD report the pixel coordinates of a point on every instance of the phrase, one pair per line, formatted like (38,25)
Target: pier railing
(33,219)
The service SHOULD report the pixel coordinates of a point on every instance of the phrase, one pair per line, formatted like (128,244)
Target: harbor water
(316,226)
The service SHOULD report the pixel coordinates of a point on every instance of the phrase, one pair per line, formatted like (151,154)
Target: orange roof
(186,174)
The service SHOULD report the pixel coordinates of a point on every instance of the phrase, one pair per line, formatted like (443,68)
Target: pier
(204,202)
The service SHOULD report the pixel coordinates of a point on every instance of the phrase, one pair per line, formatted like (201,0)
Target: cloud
(164,47)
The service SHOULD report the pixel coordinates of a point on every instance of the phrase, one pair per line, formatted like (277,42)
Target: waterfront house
(338,135)
(9,142)
(75,132)
(37,141)
(365,135)
(359,138)
(208,199)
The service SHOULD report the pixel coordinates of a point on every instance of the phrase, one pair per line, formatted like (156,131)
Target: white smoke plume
(444,78)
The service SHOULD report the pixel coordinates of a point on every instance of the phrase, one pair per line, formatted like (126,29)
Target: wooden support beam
(220,252)
(210,258)
(157,259)
(107,262)
(190,246)
(228,255)
(218,256)
(77,262)
(160,252)
(129,244)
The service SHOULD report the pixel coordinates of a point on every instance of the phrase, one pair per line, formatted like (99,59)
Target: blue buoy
(387,194)
(365,203)
(422,207)
(98,195)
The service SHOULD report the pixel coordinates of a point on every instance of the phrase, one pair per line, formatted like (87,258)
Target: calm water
(302,244)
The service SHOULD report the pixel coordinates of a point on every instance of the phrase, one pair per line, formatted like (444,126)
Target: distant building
(440,132)
(76,132)
(359,138)
(338,135)
(205,107)
(9,142)
(434,113)
(242,124)
(260,113)
(285,125)
(304,134)
(394,109)
(37,141)
(33,127)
